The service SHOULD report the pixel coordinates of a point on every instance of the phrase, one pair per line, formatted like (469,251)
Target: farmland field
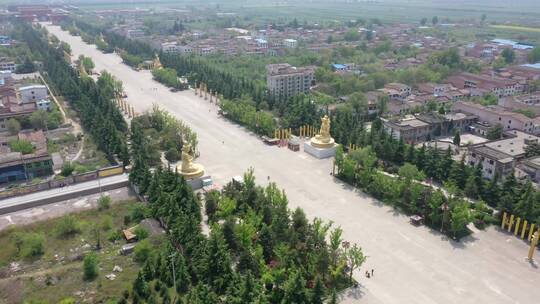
(517,28)
(520,11)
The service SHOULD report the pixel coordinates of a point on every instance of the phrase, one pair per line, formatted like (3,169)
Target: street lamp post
(444,208)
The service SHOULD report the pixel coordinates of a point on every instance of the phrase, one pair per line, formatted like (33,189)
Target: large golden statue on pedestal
(188,169)
(323,138)
(156,63)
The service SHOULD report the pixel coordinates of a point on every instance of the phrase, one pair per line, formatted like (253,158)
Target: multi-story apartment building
(496,115)
(170,47)
(285,80)
(396,91)
(500,156)
(290,43)
(500,87)
(413,129)
(33,93)
(434,89)
(529,102)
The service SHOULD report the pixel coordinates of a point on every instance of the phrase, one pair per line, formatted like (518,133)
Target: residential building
(409,129)
(170,47)
(513,44)
(484,84)
(135,33)
(43,104)
(500,156)
(285,80)
(185,49)
(10,106)
(397,91)
(33,93)
(423,127)
(346,68)
(5,76)
(529,102)
(5,40)
(290,43)
(15,166)
(262,43)
(434,89)
(495,115)
(531,167)
(7,65)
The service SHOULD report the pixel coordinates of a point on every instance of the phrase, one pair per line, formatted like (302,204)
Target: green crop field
(520,11)
(517,28)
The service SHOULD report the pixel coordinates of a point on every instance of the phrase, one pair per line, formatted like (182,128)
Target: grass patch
(57,273)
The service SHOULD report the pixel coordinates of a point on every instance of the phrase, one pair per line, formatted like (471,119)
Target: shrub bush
(67,226)
(142,251)
(138,212)
(90,266)
(67,169)
(172,155)
(141,233)
(114,236)
(29,244)
(104,202)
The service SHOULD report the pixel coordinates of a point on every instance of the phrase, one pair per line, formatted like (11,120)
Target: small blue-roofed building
(339,67)
(5,40)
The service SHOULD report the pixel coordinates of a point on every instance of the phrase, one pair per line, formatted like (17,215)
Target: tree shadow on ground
(461,243)
(354,293)
(346,186)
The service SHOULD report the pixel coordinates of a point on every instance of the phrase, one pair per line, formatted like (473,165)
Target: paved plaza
(412,264)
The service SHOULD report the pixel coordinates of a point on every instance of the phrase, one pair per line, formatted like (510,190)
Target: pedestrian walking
(372,270)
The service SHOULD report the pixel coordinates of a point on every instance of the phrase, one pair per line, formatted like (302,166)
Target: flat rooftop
(514,146)
(494,154)
(411,122)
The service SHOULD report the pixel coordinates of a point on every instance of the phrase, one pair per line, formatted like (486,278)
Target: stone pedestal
(195,172)
(320,153)
(196,183)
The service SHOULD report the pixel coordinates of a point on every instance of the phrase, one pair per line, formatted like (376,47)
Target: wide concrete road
(59,194)
(62,207)
(412,264)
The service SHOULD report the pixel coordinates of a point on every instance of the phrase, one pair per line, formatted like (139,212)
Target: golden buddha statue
(157,63)
(189,169)
(323,138)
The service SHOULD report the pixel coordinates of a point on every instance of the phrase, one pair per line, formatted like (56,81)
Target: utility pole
(173,272)
(99,184)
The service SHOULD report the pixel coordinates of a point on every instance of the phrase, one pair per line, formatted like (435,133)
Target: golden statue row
(514,223)
(202,90)
(321,136)
(128,109)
